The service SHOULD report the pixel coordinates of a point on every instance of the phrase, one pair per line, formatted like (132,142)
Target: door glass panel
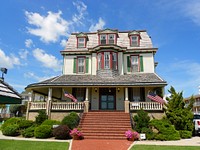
(103,98)
(110,98)
(103,105)
(110,105)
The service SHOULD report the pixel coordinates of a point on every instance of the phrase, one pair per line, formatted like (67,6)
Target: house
(196,105)
(106,70)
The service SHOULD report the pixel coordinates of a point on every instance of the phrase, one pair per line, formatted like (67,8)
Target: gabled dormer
(82,39)
(107,36)
(134,37)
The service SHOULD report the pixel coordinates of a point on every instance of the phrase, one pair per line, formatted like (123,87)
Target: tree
(178,113)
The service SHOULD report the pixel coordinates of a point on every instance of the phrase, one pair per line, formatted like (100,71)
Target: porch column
(126,102)
(48,108)
(30,99)
(86,102)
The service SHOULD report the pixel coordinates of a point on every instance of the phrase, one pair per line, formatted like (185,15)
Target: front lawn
(32,145)
(158,147)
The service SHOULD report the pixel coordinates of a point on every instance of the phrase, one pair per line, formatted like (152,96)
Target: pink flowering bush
(132,135)
(76,133)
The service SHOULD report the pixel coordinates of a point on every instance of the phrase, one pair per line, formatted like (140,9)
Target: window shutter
(141,64)
(87,63)
(74,71)
(128,64)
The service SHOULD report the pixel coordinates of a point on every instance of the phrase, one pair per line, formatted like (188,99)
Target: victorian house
(107,71)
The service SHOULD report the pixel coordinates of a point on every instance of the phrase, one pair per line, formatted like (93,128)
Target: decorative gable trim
(134,33)
(107,31)
(82,35)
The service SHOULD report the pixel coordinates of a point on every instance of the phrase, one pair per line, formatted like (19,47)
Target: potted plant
(131,135)
(76,134)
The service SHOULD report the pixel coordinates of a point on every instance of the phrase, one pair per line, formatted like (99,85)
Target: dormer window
(134,40)
(103,39)
(81,42)
(82,39)
(107,39)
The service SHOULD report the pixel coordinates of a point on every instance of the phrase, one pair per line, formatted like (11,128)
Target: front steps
(105,125)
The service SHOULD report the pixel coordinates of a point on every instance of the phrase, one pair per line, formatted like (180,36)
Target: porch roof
(137,79)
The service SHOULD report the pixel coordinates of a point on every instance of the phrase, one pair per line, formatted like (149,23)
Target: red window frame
(107,40)
(78,42)
(138,40)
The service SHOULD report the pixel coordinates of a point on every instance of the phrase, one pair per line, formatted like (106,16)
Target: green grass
(158,147)
(32,145)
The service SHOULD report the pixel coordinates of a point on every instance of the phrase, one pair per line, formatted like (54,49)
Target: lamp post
(4,71)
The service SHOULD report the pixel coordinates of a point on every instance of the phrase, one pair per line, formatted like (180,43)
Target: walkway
(91,144)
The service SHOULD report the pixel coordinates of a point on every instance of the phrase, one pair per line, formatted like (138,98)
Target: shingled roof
(137,79)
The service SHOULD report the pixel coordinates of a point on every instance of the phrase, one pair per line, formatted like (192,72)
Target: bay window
(107,60)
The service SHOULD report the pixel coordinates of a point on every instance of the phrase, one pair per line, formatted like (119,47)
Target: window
(107,39)
(107,60)
(103,39)
(99,61)
(134,40)
(79,94)
(134,64)
(81,42)
(114,61)
(111,38)
(81,64)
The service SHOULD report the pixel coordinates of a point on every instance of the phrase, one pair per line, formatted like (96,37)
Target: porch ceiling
(138,79)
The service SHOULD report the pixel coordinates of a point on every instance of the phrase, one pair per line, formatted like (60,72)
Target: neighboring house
(105,70)
(196,106)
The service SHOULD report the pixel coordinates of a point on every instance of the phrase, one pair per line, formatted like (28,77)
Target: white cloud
(23,54)
(49,28)
(35,77)
(82,11)
(99,25)
(183,76)
(47,60)
(192,9)
(63,43)
(8,61)
(28,43)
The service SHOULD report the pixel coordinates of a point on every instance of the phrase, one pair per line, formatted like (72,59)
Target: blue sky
(32,33)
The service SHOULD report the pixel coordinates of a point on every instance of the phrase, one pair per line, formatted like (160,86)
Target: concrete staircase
(105,125)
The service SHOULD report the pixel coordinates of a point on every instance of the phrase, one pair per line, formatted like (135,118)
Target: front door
(107,98)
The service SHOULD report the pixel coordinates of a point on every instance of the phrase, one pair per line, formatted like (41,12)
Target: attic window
(134,40)
(107,39)
(81,42)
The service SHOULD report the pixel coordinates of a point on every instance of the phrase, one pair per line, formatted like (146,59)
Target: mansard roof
(122,40)
(137,79)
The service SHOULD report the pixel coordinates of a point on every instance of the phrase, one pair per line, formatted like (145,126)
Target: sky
(33,32)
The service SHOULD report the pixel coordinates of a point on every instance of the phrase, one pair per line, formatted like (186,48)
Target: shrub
(28,132)
(71,120)
(149,133)
(25,124)
(141,120)
(51,122)
(185,134)
(11,130)
(166,131)
(61,132)
(11,121)
(43,131)
(42,116)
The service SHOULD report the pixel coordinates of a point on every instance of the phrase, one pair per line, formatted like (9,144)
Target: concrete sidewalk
(194,141)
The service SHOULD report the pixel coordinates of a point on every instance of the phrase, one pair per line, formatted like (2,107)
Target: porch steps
(105,125)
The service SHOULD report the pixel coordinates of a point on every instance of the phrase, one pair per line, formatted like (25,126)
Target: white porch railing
(38,105)
(146,106)
(67,106)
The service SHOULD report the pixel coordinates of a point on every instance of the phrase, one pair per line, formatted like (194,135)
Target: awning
(8,95)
